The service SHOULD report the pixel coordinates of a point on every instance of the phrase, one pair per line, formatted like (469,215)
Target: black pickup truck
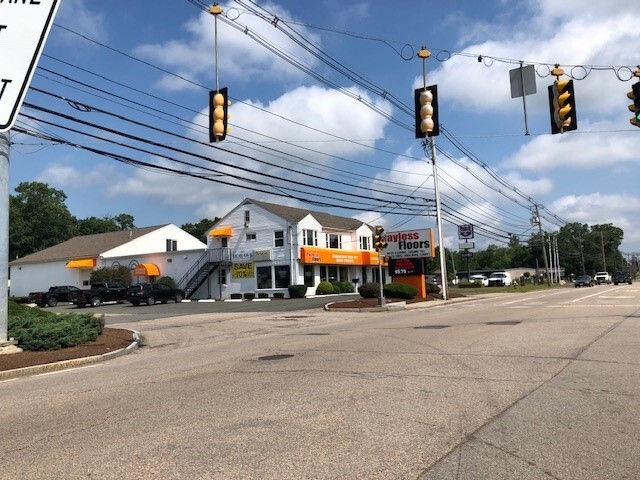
(100,293)
(57,293)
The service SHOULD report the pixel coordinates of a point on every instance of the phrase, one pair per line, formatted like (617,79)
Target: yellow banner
(242,270)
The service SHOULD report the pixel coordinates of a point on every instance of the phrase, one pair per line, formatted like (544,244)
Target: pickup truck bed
(100,293)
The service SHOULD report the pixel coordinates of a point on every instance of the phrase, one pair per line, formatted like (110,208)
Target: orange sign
(331,256)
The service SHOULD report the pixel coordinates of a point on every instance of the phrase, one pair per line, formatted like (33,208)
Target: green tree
(124,221)
(38,219)
(92,225)
(198,229)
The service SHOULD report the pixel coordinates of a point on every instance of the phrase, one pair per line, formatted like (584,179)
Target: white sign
(24,26)
(467,245)
(410,244)
(465,232)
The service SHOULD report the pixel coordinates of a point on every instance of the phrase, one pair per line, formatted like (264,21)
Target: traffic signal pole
(4,237)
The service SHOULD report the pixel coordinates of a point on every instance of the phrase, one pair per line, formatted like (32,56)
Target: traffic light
(634,95)
(426,111)
(379,240)
(562,106)
(218,114)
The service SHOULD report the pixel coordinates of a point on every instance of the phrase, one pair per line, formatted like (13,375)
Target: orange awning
(332,256)
(221,232)
(82,263)
(146,270)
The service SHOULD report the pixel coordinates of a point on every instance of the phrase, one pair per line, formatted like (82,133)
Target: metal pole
(4,236)
(524,101)
(381,298)
(443,260)
(544,252)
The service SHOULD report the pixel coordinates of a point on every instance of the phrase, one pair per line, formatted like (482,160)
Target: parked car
(622,277)
(602,277)
(500,279)
(99,293)
(58,293)
(482,280)
(584,281)
(150,293)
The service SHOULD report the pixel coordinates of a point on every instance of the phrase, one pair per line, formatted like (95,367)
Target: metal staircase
(208,262)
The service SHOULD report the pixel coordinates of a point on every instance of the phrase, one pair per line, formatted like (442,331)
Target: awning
(221,232)
(82,263)
(146,269)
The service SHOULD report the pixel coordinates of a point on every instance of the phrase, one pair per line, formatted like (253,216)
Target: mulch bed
(373,302)
(110,340)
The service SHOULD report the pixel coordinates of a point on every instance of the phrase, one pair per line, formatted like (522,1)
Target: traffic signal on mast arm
(218,115)
(634,95)
(426,111)
(379,240)
(562,106)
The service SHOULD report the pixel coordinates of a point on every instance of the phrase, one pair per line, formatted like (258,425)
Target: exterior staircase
(208,262)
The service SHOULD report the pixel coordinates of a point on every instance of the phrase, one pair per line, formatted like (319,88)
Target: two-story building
(264,247)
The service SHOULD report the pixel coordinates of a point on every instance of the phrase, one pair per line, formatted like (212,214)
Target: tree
(93,225)
(38,219)
(124,221)
(198,230)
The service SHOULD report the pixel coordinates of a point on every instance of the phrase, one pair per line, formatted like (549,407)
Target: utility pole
(537,220)
(604,260)
(4,237)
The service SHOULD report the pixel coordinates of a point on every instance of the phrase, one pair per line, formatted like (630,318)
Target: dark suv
(622,277)
(151,293)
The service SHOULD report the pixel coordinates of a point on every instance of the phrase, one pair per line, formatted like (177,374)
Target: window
(334,241)
(251,237)
(222,276)
(310,237)
(333,273)
(278,238)
(172,245)
(247,216)
(308,275)
(365,243)
(224,242)
(283,276)
(263,277)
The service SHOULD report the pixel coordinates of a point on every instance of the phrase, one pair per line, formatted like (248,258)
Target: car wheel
(135,303)
(151,301)
(52,302)
(96,302)
(178,297)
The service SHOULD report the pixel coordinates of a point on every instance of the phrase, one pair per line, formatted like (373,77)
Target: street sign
(410,244)
(465,232)
(24,27)
(466,245)
(466,254)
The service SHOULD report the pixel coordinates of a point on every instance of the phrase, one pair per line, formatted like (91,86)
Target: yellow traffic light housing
(426,111)
(218,115)
(634,95)
(562,106)
(379,240)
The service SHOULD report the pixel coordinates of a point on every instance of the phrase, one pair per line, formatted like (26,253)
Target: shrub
(324,288)
(345,287)
(297,291)
(111,274)
(278,295)
(236,296)
(249,296)
(263,295)
(400,290)
(336,288)
(369,290)
(166,280)
(37,330)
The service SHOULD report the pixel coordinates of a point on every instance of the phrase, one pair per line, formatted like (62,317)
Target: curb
(75,362)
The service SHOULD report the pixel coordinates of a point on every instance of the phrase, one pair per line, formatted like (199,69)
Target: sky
(322,113)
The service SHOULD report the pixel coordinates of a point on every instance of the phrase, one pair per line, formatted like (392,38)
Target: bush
(236,296)
(297,291)
(278,295)
(166,280)
(263,295)
(400,290)
(324,288)
(345,287)
(37,330)
(111,274)
(249,296)
(369,290)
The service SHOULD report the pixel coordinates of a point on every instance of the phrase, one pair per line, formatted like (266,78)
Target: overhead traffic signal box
(426,111)
(218,115)
(634,95)
(379,240)
(562,106)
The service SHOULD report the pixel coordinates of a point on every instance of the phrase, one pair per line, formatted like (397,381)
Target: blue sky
(332,128)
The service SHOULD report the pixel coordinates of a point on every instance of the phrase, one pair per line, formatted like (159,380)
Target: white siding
(156,241)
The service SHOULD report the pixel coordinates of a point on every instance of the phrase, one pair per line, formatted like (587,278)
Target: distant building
(261,247)
(149,252)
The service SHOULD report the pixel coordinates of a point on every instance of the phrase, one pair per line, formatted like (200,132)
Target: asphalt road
(542,385)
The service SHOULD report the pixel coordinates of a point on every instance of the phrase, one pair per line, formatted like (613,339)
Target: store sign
(261,255)
(410,244)
(406,266)
(465,232)
(242,256)
(242,270)
(333,256)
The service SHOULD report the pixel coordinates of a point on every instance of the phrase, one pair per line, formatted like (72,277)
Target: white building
(261,247)
(150,252)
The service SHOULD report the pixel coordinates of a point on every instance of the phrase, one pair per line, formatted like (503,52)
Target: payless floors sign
(410,244)
(24,26)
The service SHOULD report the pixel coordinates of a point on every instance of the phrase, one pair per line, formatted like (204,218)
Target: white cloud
(80,16)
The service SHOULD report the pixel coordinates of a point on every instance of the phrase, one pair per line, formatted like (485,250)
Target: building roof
(85,246)
(295,215)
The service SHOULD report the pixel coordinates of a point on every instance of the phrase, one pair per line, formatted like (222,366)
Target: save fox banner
(410,244)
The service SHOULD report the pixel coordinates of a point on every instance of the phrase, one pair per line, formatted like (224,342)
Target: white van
(500,279)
